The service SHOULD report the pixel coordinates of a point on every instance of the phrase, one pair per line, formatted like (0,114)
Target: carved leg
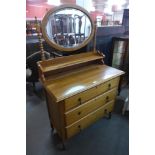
(34,85)
(109,115)
(63,145)
(120,85)
(52,127)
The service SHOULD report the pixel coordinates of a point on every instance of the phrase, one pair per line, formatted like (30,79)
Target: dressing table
(80,89)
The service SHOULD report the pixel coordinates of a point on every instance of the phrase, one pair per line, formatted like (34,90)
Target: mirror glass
(68,27)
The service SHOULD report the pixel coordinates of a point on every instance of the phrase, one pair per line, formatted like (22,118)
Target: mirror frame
(59,8)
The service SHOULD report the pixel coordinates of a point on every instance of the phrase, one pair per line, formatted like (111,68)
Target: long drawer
(84,109)
(89,119)
(81,98)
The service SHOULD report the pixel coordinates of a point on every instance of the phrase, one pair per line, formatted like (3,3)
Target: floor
(105,137)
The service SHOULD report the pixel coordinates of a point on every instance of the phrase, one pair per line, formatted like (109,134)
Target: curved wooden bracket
(100,53)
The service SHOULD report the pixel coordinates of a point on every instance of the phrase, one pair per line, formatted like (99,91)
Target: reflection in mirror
(68,27)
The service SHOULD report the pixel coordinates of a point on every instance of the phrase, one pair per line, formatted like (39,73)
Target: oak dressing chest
(80,89)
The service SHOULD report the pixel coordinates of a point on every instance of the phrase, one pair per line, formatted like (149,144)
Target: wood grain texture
(66,61)
(84,96)
(59,67)
(82,80)
(80,90)
(81,111)
(89,119)
(55,112)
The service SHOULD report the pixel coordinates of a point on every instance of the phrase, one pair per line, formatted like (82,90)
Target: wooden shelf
(63,62)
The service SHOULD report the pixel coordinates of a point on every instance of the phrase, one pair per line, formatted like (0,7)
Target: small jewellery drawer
(89,119)
(82,97)
(91,105)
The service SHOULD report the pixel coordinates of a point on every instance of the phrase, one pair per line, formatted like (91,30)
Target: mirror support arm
(40,41)
(94,39)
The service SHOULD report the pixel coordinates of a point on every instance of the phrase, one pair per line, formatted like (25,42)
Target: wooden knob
(79,113)
(109,85)
(107,98)
(79,126)
(79,100)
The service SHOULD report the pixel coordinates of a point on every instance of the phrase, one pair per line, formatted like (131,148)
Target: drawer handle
(79,126)
(79,101)
(107,99)
(79,113)
(109,85)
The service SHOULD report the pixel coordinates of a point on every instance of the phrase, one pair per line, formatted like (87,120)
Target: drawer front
(80,98)
(89,119)
(83,110)
(108,85)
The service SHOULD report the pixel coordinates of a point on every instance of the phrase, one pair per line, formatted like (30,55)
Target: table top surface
(80,80)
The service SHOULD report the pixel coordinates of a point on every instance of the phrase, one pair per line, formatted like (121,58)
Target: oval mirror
(67,27)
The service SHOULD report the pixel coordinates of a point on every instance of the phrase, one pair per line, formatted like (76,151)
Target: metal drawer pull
(79,101)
